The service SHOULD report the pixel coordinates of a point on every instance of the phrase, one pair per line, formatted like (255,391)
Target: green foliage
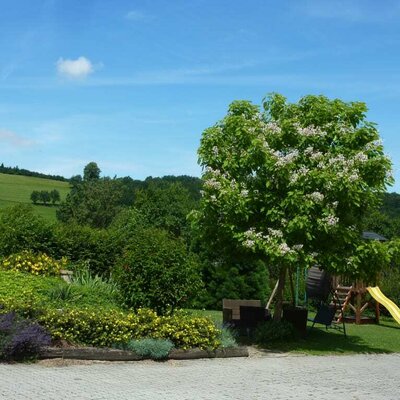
(389,279)
(27,173)
(55,196)
(165,206)
(30,293)
(45,197)
(156,349)
(100,327)
(62,292)
(25,292)
(391,205)
(383,224)
(386,221)
(228,338)
(91,172)
(291,183)
(390,283)
(35,196)
(370,257)
(93,202)
(231,278)
(21,229)
(104,288)
(127,223)
(38,264)
(78,243)
(156,271)
(274,331)
(190,183)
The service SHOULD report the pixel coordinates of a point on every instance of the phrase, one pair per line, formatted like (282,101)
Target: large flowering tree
(292,182)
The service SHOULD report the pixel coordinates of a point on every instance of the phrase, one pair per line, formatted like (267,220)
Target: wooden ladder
(341,300)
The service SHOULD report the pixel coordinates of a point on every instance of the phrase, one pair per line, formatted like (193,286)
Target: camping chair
(327,315)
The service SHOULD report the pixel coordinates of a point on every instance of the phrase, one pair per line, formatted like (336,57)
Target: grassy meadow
(15,189)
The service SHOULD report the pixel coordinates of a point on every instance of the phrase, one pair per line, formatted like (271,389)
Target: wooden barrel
(318,284)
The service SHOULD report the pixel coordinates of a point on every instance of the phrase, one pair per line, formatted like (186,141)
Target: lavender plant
(21,338)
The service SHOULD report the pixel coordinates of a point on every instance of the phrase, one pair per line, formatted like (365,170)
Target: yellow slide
(376,293)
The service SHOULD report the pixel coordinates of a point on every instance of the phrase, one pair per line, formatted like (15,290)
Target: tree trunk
(279,294)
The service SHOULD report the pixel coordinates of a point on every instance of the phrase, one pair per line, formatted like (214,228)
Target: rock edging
(99,354)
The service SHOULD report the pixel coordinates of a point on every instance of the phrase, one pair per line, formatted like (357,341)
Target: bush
(92,246)
(105,328)
(228,338)
(21,338)
(21,229)
(390,283)
(156,349)
(37,264)
(274,331)
(157,272)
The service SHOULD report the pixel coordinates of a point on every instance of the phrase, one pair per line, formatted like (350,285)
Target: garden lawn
(16,189)
(382,338)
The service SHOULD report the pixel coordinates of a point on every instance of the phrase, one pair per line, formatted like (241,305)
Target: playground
(337,315)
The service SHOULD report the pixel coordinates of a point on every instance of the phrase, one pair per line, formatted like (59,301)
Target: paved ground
(267,377)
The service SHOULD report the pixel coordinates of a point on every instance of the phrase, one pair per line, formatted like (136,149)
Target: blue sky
(133,84)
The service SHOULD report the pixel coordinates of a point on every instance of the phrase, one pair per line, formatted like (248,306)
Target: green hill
(16,189)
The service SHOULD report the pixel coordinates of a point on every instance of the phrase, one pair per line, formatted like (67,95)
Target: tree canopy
(292,182)
(91,172)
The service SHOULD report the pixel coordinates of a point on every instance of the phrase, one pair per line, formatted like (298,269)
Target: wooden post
(279,294)
(292,287)
(272,295)
(377,312)
(358,303)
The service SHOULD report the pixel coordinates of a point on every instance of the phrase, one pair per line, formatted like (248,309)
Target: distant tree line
(45,197)
(27,172)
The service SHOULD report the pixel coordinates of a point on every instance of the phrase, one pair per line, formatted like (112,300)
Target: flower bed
(105,328)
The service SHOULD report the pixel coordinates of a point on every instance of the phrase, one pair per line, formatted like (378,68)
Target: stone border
(99,354)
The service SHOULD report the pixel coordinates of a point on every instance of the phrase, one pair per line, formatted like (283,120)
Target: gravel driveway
(257,377)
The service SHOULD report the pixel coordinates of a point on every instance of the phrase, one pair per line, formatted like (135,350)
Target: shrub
(157,272)
(93,247)
(273,331)
(37,264)
(185,331)
(21,338)
(108,327)
(228,338)
(156,349)
(390,283)
(21,229)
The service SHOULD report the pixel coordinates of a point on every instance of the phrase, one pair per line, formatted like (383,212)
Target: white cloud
(11,138)
(75,69)
(135,15)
